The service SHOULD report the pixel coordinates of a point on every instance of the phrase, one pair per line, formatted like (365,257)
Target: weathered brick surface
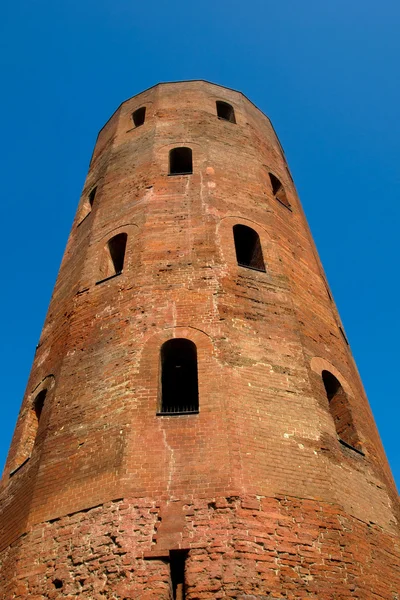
(264,429)
(247,548)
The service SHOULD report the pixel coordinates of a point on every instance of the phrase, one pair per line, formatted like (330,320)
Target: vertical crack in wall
(171,462)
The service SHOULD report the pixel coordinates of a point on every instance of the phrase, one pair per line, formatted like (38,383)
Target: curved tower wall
(256,488)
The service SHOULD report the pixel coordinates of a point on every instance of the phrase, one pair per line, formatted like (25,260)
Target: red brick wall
(263,339)
(254,547)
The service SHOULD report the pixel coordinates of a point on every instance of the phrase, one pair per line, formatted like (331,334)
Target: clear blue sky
(325,72)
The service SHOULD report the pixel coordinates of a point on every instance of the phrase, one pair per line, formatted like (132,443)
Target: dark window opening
(87,205)
(39,403)
(138,116)
(32,431)
(225,112)
(180,161)
(278,190)
(113,257)
(340,410)
(177,559)
(58,584)
(248,248)
(179,382)
(92,196)
(116,248)
(37,408)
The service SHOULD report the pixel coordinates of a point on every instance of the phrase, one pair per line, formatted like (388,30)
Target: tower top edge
(183,81)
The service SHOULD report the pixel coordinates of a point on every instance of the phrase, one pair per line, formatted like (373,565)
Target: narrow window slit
(92,196)
(39,403)
(87,204)
(36,413)
(177,559)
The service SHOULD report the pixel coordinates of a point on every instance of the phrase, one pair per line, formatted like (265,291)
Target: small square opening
(225,112)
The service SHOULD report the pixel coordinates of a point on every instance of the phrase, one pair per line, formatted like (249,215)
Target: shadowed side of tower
(194,425)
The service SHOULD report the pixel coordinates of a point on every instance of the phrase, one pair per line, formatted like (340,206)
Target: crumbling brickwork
(276,484)
(238,548)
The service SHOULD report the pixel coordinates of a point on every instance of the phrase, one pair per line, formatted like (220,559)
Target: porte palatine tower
(194,426)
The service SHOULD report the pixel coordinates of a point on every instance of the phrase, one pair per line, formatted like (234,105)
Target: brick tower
(194,425)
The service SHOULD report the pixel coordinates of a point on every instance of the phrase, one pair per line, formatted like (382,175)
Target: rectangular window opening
(225,112)
(248,248)
(180,161)
(138,116)
(179,378)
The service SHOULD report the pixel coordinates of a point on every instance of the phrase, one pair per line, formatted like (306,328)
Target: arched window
(36,413)
(116,248)
(278,190)
(112,262)
(179,384)
(248,248)
(225,111)
(39,403)
(340,410)
(31,432)
(138,116)
(180,161)
(87,204)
